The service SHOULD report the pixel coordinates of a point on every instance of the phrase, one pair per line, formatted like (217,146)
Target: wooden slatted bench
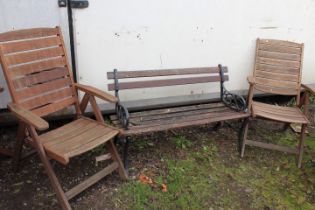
(230,106)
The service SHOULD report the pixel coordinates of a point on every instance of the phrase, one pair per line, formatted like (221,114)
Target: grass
(212,176)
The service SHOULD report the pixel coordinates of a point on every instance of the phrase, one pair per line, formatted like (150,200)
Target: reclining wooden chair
(40,82)
(277,70)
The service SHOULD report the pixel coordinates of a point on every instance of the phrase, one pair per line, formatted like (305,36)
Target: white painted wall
(147,34)
(19,14)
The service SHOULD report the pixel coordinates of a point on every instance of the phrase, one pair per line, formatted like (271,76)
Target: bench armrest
(309,88)
(96,92)
(122,115)
(28,117)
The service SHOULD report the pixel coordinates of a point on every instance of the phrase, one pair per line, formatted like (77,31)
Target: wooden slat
(164,72)
(43,88)
(171,110)
(276,83)
(271,146)
(26,45)
(41,77)
(28,34)
(37,66)
(32,56)
(183,118)
(48,98)
(277,76)
(276,90)
(281,56)
(51,108)
(92,143)
(277,69)
(140,130)
(168,82)
(280,43)
(278,62)
(275,107)
(91,180)
(280,49)
(71,127)
(145,119)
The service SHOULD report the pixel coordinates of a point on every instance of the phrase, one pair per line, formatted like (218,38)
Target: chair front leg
(50,172)
(244,135)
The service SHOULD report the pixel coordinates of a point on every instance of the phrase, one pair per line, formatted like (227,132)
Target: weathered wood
(42,77)
(275,42)
(26,45)
(278,62)
(276,90)
(28,34)
(38,89)
(166,82)
(32,56)
(37,66)
(145,129)
(165,72)
(48,98)
(271,146)
(97,93)
(28,117)
(278,113)
(279,55)
(170,110)
(91,180)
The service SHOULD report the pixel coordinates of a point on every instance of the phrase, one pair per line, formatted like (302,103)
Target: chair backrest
(278,67)
(206,74)
(37,71)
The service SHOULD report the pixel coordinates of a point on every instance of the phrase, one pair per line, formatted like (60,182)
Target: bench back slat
(164,72)
(211,75)
(168,82)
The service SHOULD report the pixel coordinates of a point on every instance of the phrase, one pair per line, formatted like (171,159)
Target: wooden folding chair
(40,82)
(277,70)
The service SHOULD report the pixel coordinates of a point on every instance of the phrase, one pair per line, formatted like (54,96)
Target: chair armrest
(309,88)
(28,117)
(251,80)
(96,92)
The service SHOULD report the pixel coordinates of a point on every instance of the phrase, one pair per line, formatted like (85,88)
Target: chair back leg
(301,145)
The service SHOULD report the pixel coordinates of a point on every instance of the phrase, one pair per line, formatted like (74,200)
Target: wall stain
(269,27)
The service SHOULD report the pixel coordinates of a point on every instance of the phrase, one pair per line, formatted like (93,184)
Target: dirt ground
(201,167)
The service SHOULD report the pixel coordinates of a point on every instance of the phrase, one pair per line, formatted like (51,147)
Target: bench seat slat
(177,117)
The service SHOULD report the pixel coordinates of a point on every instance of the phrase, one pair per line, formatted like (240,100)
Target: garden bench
(230,106)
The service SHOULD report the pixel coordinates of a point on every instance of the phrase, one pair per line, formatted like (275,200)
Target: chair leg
(112,149)
(301,145)
(244,136)
(19,145)
(50,172)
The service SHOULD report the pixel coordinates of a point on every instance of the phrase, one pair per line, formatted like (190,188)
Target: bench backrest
(36,69)
(198,75)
